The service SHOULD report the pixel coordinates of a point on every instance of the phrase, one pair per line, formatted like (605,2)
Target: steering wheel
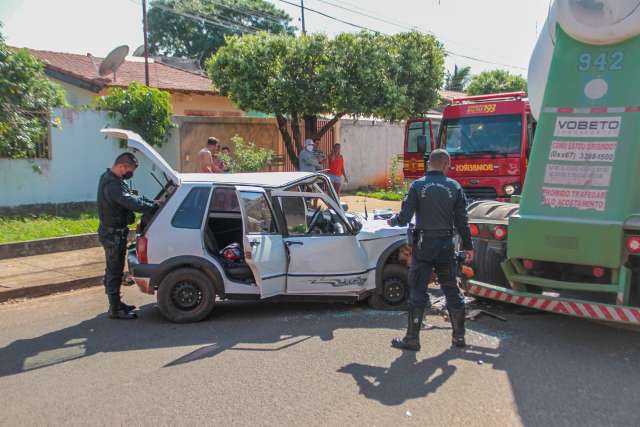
(315,218)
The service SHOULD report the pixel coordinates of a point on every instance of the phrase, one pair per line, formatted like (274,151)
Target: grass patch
(18,229)
(382,195)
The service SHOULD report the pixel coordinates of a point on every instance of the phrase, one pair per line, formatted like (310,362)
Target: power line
(405,26)
(365,14)
(250,13)
(219,23)
(331,17)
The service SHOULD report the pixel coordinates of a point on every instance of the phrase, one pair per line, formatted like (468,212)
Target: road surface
(62,362)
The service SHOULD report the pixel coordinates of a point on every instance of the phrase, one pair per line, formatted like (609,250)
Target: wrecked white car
(259,235)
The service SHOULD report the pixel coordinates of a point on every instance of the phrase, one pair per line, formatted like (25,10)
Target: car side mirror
(344,206)
(422,143)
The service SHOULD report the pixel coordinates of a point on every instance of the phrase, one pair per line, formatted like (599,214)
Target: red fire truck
(489,138)
(418,140)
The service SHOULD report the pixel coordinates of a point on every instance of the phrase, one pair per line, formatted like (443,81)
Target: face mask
(309,148)
(127,175)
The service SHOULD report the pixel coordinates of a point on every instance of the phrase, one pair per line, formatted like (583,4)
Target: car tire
(395,289)
(186,295)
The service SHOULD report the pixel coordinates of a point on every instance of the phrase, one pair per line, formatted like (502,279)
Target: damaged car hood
(378,228)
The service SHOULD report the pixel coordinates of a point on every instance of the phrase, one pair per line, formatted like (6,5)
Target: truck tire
(395,289)
(186,295)
(487,264)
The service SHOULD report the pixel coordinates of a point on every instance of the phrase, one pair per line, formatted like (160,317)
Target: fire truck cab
(489,138)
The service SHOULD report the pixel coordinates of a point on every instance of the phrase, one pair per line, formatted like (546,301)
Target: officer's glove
(394,221)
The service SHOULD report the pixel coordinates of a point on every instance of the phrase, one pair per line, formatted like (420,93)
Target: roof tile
(161,76)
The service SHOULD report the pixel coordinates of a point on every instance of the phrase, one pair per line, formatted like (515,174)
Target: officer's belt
(434,233)
(114,230)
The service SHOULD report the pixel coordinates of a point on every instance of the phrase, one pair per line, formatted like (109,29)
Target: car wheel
(395,289)
(186,295)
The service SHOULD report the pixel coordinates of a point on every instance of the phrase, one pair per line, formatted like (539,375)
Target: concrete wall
(79,155)
(368,147)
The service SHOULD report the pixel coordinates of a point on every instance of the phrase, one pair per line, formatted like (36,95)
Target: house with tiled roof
(192,94)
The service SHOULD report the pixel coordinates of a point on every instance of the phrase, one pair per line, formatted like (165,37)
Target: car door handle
(254,243)
(293,242)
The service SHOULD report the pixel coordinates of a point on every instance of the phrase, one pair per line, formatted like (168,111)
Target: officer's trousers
(115,248)
(434,253)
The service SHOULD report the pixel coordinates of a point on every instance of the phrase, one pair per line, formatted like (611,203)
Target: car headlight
(509,189)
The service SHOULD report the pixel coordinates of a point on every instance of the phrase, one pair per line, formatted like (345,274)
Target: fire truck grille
(480,193)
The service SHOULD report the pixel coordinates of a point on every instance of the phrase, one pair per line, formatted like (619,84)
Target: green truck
(571,243)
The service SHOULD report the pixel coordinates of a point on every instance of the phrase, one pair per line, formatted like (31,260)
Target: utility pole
(146,50)
(304,30)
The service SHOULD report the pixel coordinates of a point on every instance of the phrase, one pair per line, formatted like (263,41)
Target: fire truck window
(484,135)
(415,129)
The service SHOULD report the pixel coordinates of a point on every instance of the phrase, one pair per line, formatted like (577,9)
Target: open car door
(264,249)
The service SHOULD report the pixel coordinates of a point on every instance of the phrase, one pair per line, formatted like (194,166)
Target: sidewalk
(46,274)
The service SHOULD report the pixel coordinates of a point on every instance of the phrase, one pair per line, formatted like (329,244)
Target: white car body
(284,260)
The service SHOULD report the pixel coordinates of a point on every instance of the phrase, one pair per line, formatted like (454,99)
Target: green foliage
(26,100)
(395,182)
(496,81)
(391,77)
(457,80)
(393,196)
(247,156)
(141,109)
(175,35)
(16,229)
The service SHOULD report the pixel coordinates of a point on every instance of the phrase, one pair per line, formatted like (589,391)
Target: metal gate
(325,144)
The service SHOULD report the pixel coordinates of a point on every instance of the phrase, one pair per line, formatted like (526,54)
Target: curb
(52,245)
(44,290)
(47,246)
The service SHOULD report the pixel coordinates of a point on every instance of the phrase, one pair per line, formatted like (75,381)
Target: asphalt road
(62,362)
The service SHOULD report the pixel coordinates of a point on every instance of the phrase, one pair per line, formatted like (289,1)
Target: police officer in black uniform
(116,205)
(439,205)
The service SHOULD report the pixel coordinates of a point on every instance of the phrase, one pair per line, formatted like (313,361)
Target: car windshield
(483,135)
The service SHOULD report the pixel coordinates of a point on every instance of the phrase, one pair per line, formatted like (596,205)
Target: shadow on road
(562,371)
(240,326)
(406,378)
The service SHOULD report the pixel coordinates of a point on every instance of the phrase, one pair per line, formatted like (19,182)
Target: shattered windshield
(483,135)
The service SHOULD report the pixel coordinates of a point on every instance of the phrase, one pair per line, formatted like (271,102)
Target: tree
(457,80)
(247,156)
(27,98)
(496,81)
(173,31)
(297,79)
(142,109)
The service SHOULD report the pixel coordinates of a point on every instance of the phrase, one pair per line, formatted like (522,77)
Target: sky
(501,32)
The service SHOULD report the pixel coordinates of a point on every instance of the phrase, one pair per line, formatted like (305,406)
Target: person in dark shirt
(439,206)
(116,207)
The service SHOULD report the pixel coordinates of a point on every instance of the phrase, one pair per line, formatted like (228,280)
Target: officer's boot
(411,341)
(116,311)
(126,307)
(457,317)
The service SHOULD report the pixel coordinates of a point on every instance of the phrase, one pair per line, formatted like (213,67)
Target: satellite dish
(113,61)
(139,51)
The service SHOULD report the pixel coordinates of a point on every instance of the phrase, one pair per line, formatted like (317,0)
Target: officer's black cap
(126,159)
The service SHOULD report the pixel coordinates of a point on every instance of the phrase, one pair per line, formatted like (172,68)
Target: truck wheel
(395,289)
(186,295)
(487,265)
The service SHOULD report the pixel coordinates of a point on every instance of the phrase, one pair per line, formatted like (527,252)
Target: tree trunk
(289,144)
(320,132)
(310,126)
